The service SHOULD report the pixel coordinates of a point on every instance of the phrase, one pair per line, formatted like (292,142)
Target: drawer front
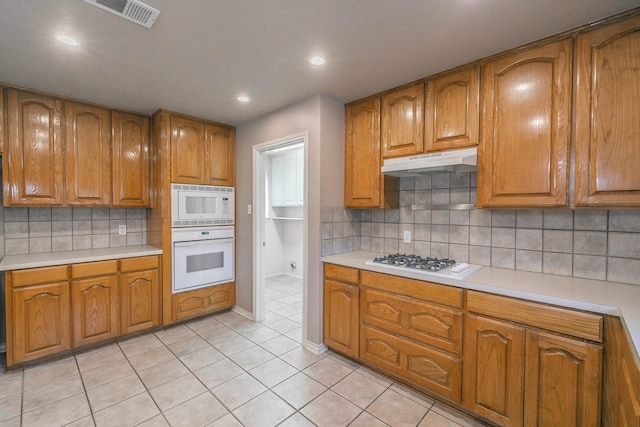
(575,323)
(433,292)
(33,276)
(428,323)
(94,268)
(137,264)
(341,273)
(201,301)
(423,366)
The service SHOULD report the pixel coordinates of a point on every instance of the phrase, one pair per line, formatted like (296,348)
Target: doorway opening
(280,235)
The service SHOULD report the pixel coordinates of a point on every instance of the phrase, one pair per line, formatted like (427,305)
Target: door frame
(259,204)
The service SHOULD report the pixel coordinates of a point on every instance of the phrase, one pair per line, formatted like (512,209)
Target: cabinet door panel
(187,151)
(437,326)
(131,168)
(94,303)
(290,179)
(563,381)
(2,120)
(341,305)
(494,358)
(33,171)
(88,155)
(139,301)
(41,321)
(426,367)
(526,112)
(201,301)
(362,176)
(403,122)
(452,118)
(299,200)
(607,125)
(220,159)
(277,181)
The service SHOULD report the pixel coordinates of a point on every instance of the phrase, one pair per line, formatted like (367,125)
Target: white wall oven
(202,257)
(202,236)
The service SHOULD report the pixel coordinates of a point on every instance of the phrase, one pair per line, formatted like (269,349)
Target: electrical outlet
(407,236)
(122,229)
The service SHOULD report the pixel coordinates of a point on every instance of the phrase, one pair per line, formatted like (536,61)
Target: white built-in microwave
(198,205)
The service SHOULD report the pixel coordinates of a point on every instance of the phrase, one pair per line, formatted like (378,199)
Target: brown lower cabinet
(508,361)
(517,376)
(434,370)
(53,309)
(94,302)
(139,294)
(38,313)
(202,301)
(340,307)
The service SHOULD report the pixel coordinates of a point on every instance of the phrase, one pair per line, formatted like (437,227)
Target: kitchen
(323,115)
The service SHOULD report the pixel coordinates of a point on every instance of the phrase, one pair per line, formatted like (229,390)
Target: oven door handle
(202,242)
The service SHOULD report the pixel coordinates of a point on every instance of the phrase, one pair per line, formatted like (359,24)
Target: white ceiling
(201,54)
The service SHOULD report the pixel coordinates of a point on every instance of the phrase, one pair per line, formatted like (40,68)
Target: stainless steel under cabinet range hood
(460,160)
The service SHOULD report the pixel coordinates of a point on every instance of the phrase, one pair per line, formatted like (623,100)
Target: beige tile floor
(222,370)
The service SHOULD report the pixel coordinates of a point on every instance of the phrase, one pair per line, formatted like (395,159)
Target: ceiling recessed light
(317,60)
(243,98)
(69,41)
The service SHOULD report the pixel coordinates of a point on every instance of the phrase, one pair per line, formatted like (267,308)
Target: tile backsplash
(593,244)
(38,230)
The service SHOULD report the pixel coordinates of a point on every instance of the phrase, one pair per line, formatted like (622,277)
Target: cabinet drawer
(137,264)
(427,291)
(431,324)
(201,301)
(423,366)
(94,268)
(575,323)
(34,276)
(343,274)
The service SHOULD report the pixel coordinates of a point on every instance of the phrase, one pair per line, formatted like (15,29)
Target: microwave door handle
(202,242)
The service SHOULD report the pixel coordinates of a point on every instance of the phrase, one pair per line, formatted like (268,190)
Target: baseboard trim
(242,312)
(315,348)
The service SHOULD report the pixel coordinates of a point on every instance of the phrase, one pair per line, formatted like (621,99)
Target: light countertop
(18,262)
(610,298)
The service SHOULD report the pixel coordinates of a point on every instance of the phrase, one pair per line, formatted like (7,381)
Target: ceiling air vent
(133,10)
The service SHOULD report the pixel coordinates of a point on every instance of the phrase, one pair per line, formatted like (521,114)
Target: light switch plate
(407,236)
(122,230)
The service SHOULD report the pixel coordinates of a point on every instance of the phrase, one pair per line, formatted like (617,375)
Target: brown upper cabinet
(33,170)
(364,185)
(220,155)
(524,154)
(130,161)
(59,153)
(451,111)
(201,153)
(187,150)
(87,155)
(3,120)
(403,121)
(607,122)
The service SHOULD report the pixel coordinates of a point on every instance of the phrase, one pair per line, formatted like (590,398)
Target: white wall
(284,244)
(323,118)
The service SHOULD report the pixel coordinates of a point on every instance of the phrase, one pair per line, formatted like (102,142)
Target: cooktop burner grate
(415,261)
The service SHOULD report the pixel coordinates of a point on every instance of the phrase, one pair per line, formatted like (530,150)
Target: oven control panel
(201,233)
